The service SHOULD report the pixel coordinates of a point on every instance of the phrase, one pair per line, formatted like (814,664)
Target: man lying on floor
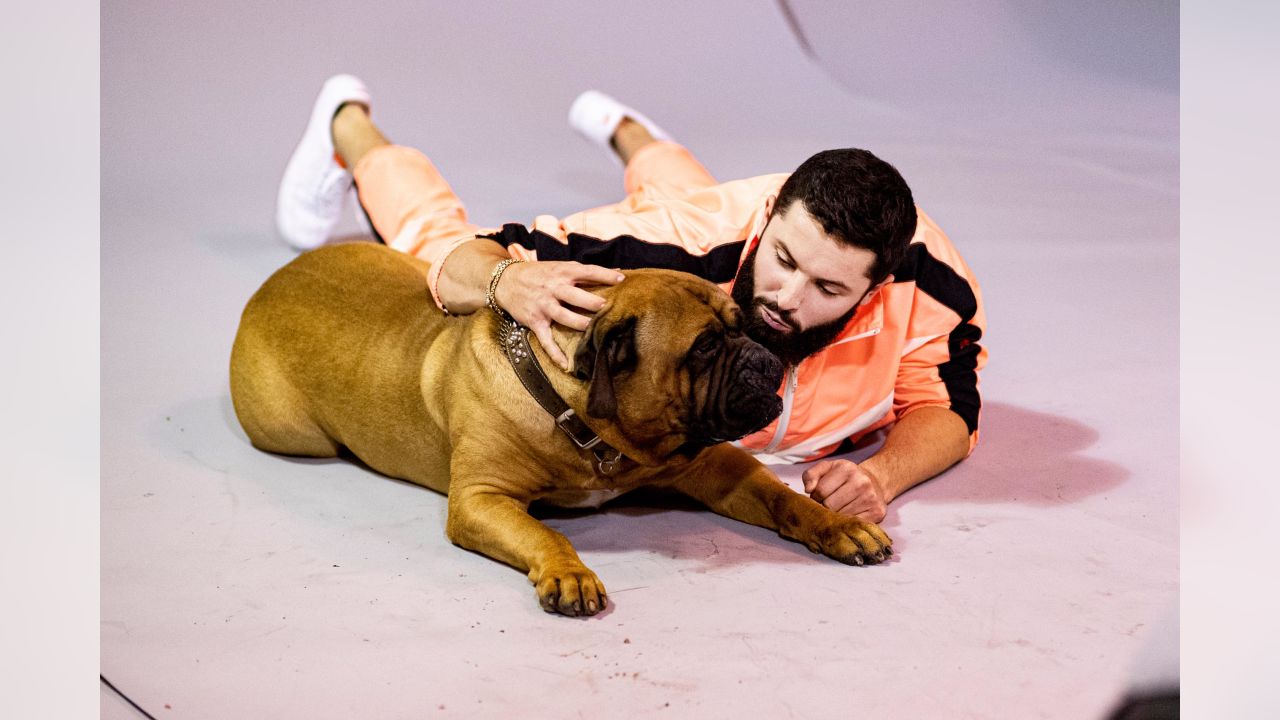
(840,275)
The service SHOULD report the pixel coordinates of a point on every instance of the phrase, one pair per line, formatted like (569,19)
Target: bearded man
(838,272)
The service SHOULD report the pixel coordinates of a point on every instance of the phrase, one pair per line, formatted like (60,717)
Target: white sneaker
(596,116)
(314,187)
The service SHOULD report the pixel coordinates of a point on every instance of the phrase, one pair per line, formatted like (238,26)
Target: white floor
(238,584)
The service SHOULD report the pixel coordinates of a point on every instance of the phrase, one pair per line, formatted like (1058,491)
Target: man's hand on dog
(847,488)
(538,294)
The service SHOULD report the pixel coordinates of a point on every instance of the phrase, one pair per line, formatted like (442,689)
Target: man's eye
(786,263)
(826,290)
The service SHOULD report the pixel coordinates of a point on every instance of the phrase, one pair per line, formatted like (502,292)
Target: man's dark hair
(859,200)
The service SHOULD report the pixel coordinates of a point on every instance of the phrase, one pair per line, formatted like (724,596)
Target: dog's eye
(706,346)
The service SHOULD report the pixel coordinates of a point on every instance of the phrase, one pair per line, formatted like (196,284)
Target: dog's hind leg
(273,413)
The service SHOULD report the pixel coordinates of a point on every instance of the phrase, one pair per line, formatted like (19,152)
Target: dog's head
(667,365)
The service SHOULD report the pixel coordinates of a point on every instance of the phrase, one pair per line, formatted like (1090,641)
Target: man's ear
(768,206)
(603,353)
(866,298)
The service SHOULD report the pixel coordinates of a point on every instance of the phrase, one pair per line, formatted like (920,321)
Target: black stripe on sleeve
(625,252)
(959,373)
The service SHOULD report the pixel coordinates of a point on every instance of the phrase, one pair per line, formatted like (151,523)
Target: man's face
(798,288)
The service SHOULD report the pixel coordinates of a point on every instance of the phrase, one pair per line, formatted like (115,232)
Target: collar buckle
(567,421)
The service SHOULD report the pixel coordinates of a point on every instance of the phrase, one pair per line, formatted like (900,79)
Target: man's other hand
(847,488)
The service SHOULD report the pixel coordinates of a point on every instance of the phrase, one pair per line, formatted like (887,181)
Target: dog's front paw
(570,589)
(851,541)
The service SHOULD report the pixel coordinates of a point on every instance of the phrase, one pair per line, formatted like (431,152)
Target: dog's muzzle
(743,396)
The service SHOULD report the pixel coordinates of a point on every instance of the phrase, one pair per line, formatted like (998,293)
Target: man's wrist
(463,281)
(495,277)
(881,477)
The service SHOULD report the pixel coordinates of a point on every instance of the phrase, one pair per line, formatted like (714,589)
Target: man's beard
(790,347)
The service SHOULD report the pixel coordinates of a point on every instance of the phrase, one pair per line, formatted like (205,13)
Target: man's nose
(789,294)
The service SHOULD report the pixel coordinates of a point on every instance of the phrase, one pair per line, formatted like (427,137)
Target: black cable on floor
(116,690)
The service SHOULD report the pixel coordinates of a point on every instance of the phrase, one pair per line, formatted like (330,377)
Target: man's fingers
(844,496)
(832,480)
(857,507)
(872,515)
(548,343)
(814,474)
(822,488)
(597,274)
(570,319)
(578,297)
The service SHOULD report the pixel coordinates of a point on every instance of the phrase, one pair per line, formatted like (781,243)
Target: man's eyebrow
(817,280)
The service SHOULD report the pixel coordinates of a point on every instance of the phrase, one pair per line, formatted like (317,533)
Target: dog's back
(330,353)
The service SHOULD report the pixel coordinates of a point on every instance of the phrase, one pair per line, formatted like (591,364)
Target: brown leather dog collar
(514,339)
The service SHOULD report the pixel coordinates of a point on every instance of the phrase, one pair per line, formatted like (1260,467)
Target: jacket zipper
(859,336)
(789,395)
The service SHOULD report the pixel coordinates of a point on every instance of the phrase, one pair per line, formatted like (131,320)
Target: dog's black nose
(758,361)
(752,400)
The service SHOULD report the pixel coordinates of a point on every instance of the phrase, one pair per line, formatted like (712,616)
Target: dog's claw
(851,541)
(572,592)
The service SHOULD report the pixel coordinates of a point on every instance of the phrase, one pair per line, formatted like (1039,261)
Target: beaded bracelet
(490,300)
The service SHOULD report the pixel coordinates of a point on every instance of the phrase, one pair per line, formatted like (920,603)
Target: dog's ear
(601,355)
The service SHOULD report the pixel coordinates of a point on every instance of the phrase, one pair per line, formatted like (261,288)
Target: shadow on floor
(1025,457)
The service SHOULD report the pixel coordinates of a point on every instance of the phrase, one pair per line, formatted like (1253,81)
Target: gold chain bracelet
(490,299)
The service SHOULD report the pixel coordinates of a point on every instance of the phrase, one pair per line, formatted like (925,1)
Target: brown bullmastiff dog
(343,348)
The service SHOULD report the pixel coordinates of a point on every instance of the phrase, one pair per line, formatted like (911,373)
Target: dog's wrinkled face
(669,365)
